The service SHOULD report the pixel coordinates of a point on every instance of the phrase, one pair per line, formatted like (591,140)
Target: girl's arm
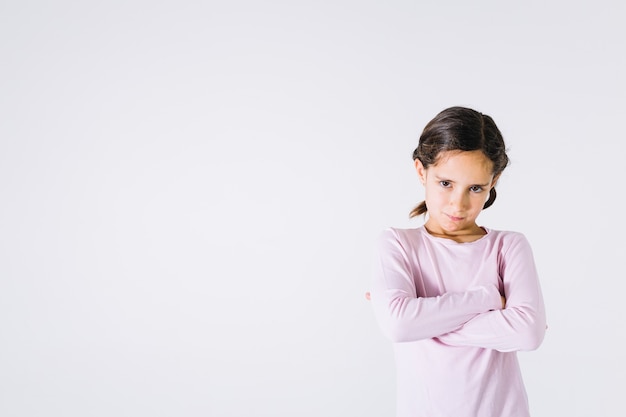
(403,315)
(522,324)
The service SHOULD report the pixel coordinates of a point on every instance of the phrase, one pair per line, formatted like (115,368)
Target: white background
(190,191)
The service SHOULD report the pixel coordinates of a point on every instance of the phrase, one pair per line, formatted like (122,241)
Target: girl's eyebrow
(445,179)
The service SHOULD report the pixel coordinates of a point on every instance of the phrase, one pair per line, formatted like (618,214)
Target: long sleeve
(522,324)
(403,314)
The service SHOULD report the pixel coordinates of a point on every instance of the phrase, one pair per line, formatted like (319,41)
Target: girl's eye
(444,184)
(476,188)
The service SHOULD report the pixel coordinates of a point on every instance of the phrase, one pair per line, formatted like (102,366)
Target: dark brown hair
(461,129)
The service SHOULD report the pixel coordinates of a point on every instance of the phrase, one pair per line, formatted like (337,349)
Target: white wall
(189,193)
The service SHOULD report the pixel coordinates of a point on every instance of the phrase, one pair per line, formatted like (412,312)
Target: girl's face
(456,189)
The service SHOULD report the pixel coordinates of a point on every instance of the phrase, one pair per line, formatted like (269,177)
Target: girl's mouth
(454,218)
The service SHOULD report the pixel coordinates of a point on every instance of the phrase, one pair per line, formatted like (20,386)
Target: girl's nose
(459,200)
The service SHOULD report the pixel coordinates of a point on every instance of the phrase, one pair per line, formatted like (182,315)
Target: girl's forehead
(470,161)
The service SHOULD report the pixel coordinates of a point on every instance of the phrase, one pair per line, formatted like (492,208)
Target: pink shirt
(439,302)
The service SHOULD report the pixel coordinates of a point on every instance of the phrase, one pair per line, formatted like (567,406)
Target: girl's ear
(421,171)
(494,181)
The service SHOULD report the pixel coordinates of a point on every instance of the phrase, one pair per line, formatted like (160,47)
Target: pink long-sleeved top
(440,302)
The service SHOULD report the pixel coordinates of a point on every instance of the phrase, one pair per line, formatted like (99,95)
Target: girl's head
(468,146)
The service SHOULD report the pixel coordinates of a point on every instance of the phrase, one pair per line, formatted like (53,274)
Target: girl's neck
(461,236)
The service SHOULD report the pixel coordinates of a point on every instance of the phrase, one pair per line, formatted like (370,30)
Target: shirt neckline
(452,242)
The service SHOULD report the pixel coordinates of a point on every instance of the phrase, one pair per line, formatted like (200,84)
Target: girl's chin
(455,227)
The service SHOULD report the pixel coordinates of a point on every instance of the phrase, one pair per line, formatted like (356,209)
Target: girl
(458,299)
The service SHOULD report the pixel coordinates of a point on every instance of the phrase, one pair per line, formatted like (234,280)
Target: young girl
(458,299)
